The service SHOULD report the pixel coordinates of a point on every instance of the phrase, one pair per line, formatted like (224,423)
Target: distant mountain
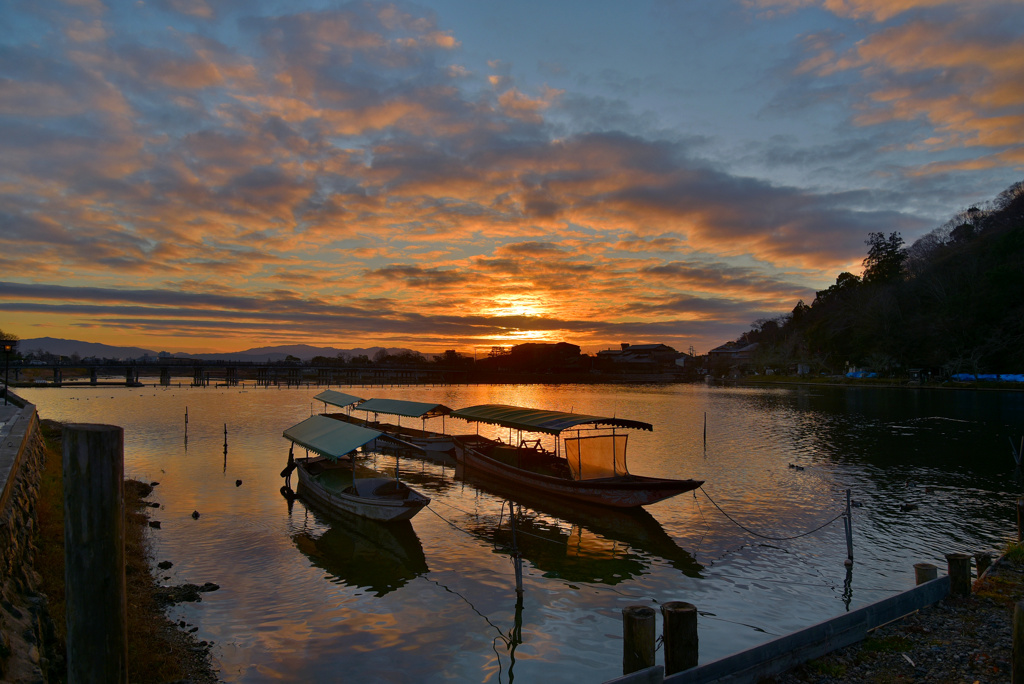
(301,351)
(59,347)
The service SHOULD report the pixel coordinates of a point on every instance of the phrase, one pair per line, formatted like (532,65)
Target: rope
(765,536)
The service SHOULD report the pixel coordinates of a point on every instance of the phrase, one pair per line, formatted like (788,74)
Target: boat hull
(626,491)
(313,488)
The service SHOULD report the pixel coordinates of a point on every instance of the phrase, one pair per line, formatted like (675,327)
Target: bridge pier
(165,376)
(93,376)
(57,377)
(200,378)
(231,376)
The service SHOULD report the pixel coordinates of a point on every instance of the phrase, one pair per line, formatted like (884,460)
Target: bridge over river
(229,373)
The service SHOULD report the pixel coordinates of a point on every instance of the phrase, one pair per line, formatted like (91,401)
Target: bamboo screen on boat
(598,456)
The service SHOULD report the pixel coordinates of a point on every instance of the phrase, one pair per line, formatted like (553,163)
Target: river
(307,597)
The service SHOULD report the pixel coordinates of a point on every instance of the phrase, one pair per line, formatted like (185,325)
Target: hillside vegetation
(952,302)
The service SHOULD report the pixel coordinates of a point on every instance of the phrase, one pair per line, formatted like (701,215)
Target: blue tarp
(861,374)
(989,377)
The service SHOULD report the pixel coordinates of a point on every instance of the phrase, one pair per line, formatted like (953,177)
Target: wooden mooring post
(959,571)
(982,561)
(637,638)
(679,629)
(925,572)
(95,595)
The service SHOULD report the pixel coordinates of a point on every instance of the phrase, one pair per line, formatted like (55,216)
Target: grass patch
(157,651)
(1014,553)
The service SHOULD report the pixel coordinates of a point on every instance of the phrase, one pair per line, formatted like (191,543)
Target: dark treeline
(952,302)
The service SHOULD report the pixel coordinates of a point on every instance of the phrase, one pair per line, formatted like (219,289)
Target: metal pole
(517,558)
(849,530)
(8,348)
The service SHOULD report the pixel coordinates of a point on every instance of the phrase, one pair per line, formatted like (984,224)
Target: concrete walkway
(8,414)
(15,423)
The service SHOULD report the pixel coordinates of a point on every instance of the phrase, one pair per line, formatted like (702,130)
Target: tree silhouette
(885,259)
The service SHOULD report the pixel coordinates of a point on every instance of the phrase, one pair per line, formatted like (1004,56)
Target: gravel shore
(954,641)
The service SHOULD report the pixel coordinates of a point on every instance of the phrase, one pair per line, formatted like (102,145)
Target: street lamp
(8,348)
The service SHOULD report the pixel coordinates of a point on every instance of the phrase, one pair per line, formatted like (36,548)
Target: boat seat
(382,488)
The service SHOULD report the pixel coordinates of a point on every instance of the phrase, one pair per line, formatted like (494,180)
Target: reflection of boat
(597,533)
(333,484)
(360,553)
(423,438)
(574,554)
(590,468)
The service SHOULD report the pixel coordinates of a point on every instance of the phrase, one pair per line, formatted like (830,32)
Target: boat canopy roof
(336,398)
(334,438)
(536,420)
(410,409)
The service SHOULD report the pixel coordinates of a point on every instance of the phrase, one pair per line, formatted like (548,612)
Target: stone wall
(25,627)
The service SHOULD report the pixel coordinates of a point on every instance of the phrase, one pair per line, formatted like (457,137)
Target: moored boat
(588,467)
(378,498)
(425,439)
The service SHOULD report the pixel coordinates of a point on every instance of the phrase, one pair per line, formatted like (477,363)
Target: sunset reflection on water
(308,596)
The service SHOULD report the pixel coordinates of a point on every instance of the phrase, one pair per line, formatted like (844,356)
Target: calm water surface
(305,596)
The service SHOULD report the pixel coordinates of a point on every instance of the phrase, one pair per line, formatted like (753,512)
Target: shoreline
(859,383)
(968,639)
(159,649)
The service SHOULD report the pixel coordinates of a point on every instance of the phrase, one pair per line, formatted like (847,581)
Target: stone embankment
(25,627)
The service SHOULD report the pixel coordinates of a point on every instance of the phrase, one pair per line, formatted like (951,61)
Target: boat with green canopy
(586,464)
(339,399)
(400,408)
(327,481)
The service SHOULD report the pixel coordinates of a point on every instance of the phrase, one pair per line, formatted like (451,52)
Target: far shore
(892,383)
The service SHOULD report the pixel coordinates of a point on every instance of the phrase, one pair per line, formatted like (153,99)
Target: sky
(196,176)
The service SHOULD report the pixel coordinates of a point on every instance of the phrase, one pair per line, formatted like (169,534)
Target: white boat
(425,439)
(377,498)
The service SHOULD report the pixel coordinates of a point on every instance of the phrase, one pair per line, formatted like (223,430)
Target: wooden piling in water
(925,572)
(982,561)
(679,629)
(97,623)
(637,638)
(959,570)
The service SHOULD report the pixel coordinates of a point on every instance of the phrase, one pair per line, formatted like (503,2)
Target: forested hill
(952,302)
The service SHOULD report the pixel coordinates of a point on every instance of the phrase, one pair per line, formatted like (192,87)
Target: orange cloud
(960,75)
(877,10)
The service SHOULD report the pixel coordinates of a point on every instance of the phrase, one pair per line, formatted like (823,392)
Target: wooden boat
(421,437)
(377,498)
(590,468)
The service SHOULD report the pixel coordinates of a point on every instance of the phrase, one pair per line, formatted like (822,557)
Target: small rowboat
(378,498)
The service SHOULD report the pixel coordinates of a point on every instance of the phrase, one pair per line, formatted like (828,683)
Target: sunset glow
(194,176)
